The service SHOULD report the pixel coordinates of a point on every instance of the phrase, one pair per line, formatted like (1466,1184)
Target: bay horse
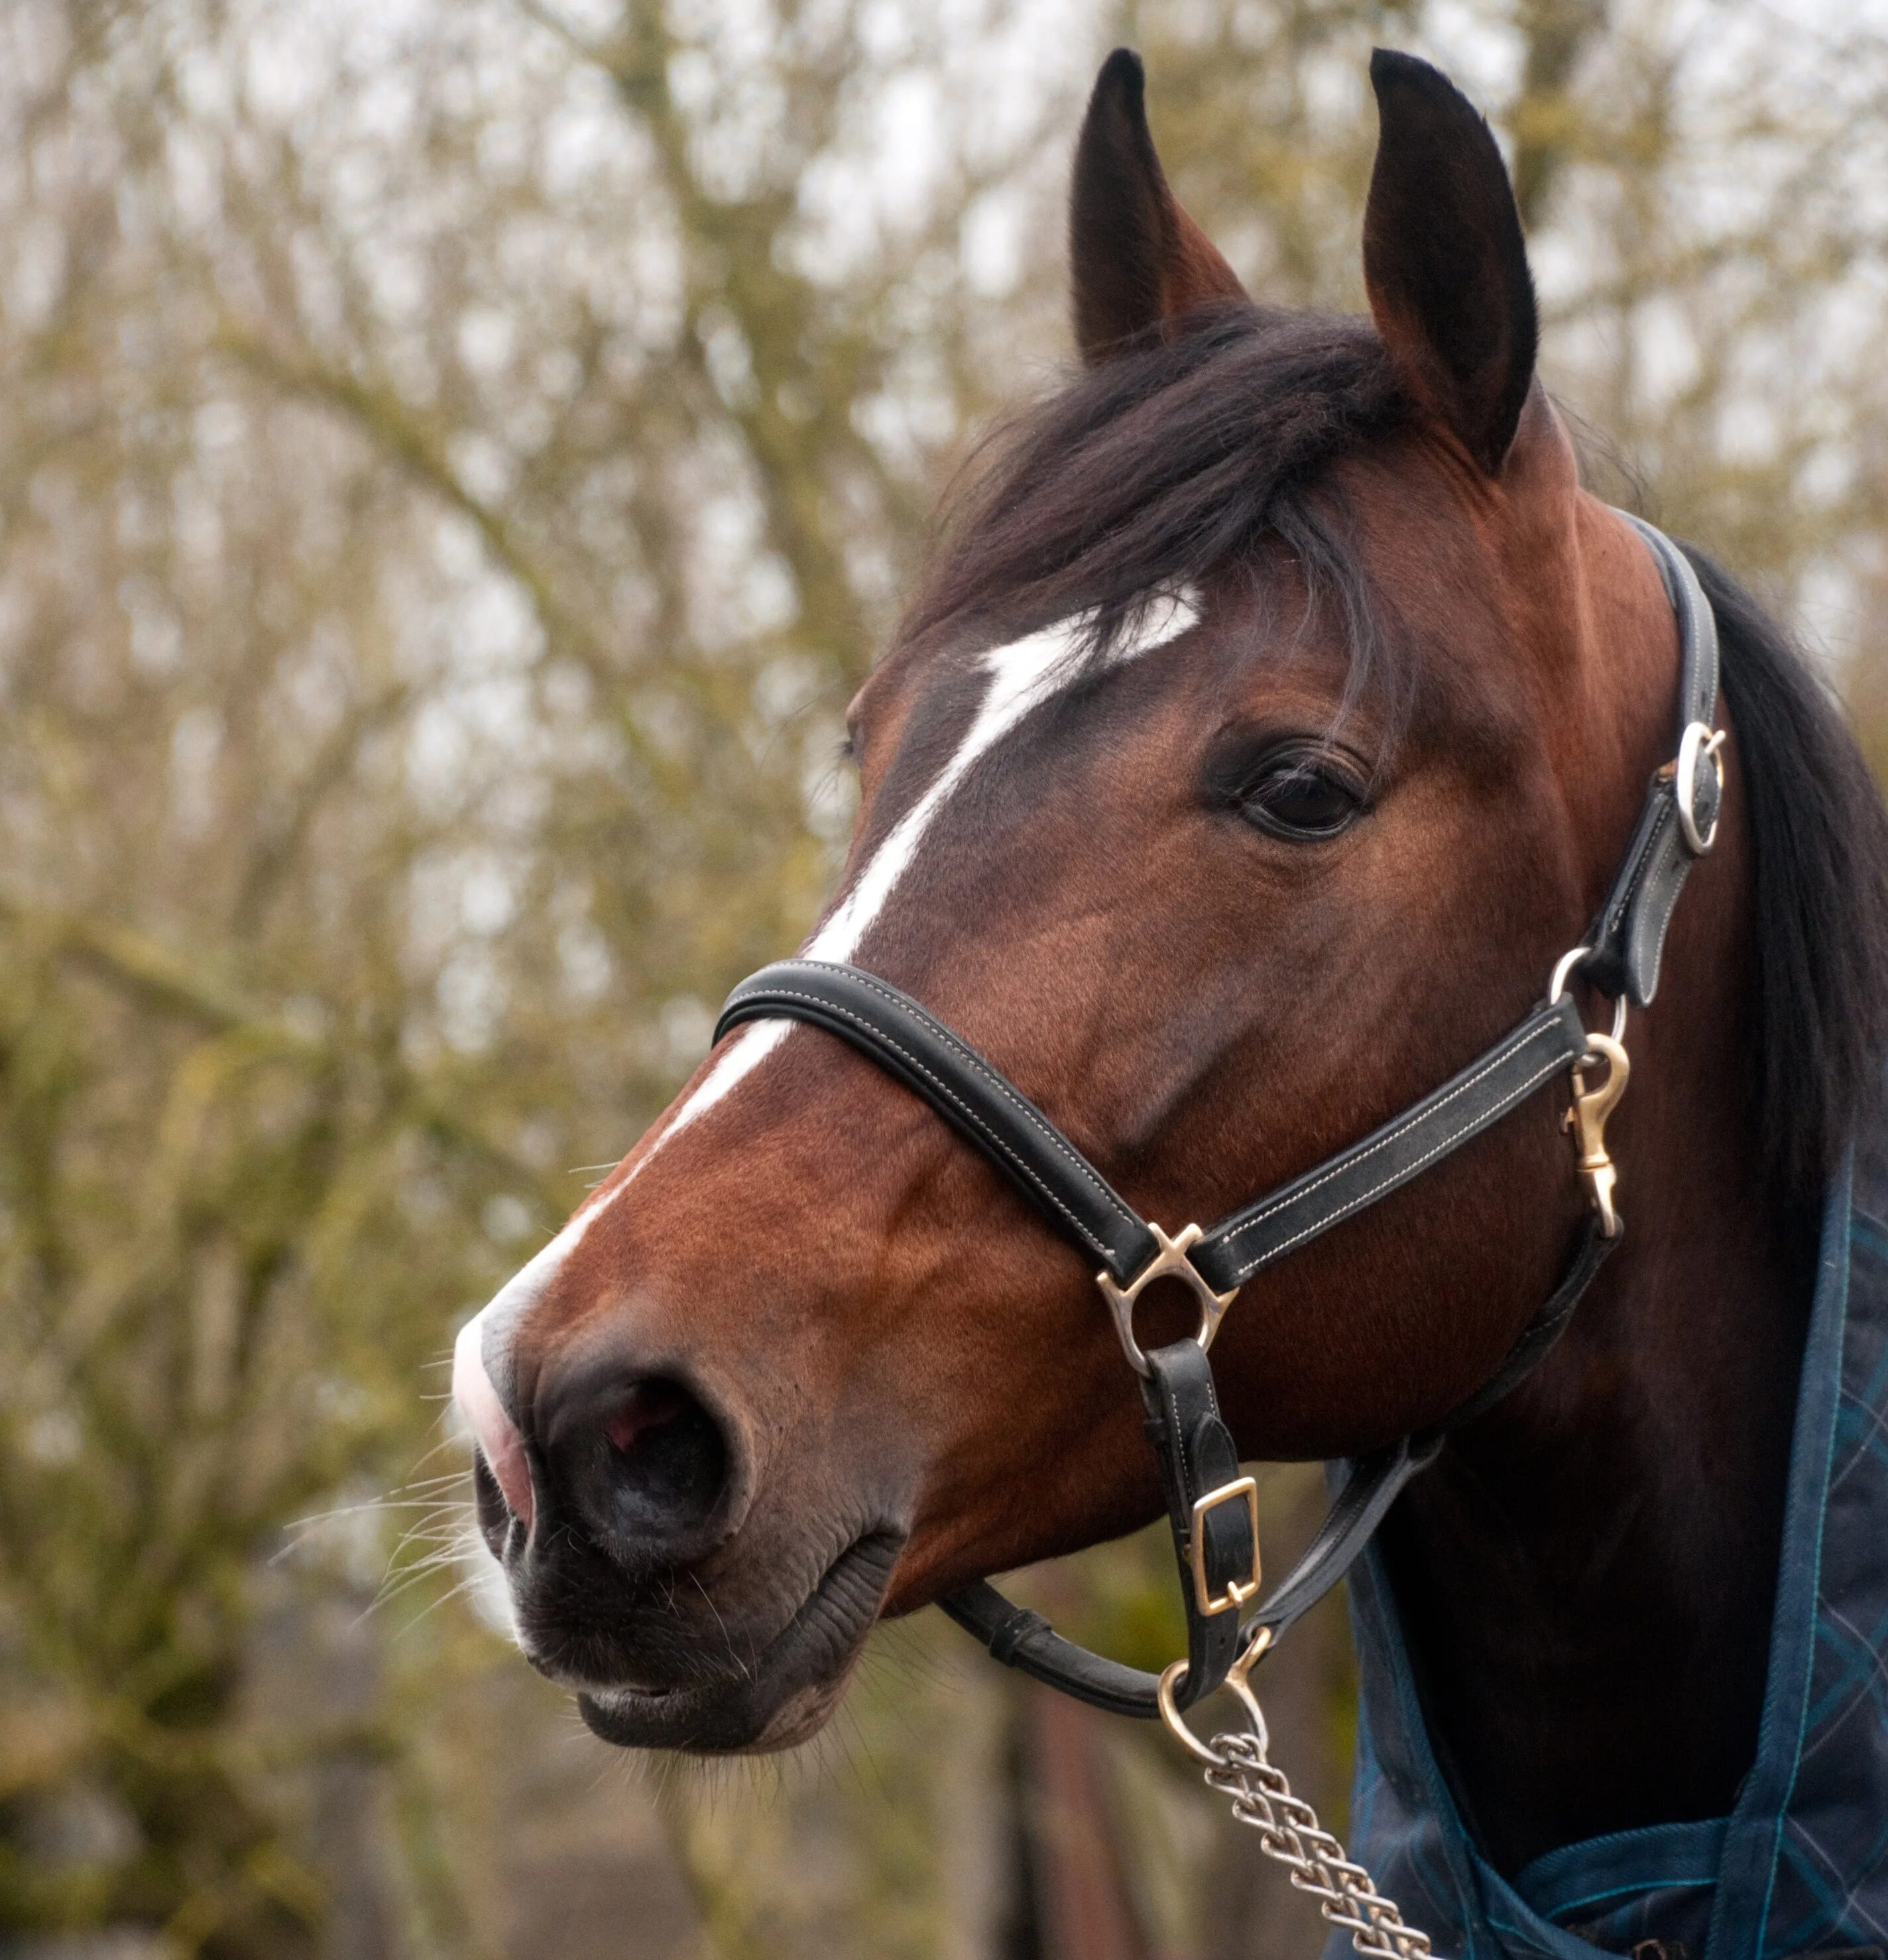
(1274,713)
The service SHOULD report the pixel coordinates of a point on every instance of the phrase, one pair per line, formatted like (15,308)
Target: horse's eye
(1298,793)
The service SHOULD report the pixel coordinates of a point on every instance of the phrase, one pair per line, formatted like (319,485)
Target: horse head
(1275,710)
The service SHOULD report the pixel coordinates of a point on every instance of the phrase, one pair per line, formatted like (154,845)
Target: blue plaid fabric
(1800,1866)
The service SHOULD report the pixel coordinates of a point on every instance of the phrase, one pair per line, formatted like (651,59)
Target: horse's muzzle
(639,1578)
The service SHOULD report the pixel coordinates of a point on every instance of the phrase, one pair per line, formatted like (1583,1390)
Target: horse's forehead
(945,711)
(980,704)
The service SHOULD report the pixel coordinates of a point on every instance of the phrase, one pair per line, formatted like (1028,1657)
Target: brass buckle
(1171,1261)
(1238,1591)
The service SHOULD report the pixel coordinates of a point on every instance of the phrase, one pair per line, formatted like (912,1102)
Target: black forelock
(1168,464)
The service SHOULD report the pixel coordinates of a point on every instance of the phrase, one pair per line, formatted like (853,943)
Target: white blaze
(1022,676)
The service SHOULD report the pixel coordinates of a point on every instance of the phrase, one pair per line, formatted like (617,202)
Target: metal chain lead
(1237,1766)
(1290,1832)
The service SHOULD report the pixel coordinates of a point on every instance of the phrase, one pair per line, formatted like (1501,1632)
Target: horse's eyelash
(848,749)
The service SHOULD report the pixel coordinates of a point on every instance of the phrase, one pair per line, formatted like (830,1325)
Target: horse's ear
(1444,262)
(1138,260)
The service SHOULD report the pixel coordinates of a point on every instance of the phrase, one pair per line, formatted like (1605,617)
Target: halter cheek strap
(1212,1510)
(1678,821)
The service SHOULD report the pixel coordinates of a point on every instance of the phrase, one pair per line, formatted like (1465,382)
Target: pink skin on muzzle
(494,1431)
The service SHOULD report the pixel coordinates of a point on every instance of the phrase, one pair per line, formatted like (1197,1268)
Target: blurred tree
(456,462)
(452,472)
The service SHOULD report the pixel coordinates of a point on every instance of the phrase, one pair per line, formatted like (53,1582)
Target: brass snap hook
(1586,1120)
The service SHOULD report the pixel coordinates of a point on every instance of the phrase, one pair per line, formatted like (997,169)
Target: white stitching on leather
(1176,1439)
(1658,950)
(1396,1132)
(1032,1116)
(944,1090)
(1392,1136)
(1616,915)
(1368,1197)
(1356,1204)
(1695,623)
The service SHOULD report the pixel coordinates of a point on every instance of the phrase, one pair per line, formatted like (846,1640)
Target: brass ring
(1175,1672)
(1170,1261)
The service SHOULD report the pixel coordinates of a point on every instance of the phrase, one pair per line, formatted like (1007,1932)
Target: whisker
(465,1585)
(747,1673)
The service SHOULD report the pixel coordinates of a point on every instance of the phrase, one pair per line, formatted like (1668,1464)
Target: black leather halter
(1212,1510)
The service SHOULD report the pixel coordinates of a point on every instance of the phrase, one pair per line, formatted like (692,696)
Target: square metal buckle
(1238,1591)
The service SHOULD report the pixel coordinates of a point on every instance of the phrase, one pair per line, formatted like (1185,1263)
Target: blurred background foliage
(457,458)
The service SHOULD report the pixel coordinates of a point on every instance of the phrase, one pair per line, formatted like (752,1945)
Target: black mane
(1173,461)
(1818,840)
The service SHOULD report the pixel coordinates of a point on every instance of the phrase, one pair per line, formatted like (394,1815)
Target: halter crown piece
(1212,1510)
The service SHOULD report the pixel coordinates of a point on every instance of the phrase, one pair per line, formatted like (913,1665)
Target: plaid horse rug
(1801,1865)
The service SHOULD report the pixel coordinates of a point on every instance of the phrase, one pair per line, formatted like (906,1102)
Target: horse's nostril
(649,1405)
(640,1464)
(494,1513)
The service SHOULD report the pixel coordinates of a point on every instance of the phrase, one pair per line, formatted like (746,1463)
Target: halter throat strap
(1212,1510)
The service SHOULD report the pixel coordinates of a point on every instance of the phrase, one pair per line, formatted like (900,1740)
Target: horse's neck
(1586,1576)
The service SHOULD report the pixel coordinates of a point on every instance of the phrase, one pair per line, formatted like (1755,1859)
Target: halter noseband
(1212,1509)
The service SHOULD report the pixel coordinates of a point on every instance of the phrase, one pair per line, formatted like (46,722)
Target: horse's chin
(710,1721)
(785,1696)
